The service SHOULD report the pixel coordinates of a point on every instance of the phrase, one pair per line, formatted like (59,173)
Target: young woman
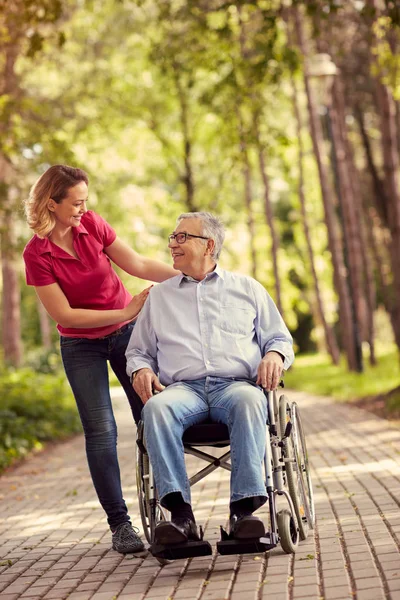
(68,261)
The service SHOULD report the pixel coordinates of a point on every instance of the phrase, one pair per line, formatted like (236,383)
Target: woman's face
(71,208)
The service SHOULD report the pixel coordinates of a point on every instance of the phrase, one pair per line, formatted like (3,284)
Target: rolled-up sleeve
(142,348)
(272,333)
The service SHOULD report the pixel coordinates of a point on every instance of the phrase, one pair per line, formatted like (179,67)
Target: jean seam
(183,420)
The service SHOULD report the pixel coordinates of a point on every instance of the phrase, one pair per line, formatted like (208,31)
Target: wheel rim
(294,476)
(143,505)
(303,469)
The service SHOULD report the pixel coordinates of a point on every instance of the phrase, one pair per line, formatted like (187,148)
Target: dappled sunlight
(355,467)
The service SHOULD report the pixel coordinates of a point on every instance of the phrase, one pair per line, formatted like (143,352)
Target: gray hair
(213,228)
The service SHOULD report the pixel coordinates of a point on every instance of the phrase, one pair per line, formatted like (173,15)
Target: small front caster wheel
(288,531)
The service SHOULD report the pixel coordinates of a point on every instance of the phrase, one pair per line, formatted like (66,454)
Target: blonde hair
(53,184)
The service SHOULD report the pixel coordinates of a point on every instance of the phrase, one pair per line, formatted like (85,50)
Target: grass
(316,374)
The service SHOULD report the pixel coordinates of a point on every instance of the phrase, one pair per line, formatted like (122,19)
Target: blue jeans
(85,364)
(240,404)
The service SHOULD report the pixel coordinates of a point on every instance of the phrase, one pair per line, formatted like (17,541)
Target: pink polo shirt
(88,282)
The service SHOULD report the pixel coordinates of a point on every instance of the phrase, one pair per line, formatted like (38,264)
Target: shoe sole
(247,530)
(135,551)
(166,534)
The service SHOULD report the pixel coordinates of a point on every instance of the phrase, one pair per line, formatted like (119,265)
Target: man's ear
(210,247)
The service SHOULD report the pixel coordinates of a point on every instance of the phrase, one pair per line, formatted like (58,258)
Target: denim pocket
(66,342)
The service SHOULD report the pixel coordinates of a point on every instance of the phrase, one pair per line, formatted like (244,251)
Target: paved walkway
(54,542)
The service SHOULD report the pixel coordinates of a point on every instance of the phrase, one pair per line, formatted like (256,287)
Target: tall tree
(329,334)
(391,166)
(334,239)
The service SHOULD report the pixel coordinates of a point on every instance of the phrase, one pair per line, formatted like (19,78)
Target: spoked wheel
(297,466)
(151,512)
(288,532)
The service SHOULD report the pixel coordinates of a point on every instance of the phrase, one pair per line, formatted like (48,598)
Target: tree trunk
(391,166)
(380,195)
(398,125)
(187,144)
(391,169)
(11,302)
(373,225)
(269,218)
(351,224)
(334,240)
(361,217)
(330,338)
(248,200)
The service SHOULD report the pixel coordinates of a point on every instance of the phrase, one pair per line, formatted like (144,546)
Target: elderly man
(209,341)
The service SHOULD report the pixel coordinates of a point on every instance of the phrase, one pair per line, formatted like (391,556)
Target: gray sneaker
(125,539)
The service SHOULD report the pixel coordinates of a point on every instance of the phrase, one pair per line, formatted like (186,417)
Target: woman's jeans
(240,404)
(85,363)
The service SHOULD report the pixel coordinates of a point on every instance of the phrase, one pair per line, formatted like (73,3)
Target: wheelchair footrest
(186,550)
(246,546)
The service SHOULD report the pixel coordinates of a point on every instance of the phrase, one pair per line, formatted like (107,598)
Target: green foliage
(34,408)
(120,116)
(315,374)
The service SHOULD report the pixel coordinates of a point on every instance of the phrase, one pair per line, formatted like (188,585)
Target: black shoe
(176,532)
(246,527)
(125,539)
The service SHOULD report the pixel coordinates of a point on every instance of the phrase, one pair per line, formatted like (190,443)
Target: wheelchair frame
(287,475)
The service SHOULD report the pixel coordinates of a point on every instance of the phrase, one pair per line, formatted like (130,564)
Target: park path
(54,542)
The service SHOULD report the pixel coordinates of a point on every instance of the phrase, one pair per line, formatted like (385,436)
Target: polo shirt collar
(45,245)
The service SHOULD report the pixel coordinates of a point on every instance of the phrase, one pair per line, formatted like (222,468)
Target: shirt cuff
(285,350)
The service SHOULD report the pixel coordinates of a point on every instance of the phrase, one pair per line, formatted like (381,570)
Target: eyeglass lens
(179,237)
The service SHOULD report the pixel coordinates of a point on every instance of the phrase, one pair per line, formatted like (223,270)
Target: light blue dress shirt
(221,326)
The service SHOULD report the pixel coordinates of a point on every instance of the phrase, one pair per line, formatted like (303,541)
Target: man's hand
(270,370)
(146,383)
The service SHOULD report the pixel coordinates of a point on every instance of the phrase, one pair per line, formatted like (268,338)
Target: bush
(34,408)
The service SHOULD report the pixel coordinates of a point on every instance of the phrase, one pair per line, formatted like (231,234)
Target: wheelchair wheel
(288,532)
(296,466)
(151,512)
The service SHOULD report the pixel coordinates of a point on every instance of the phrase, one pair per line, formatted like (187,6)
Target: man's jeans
(85,363)
(240,404)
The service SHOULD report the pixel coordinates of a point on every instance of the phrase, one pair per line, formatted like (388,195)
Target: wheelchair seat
(207,434)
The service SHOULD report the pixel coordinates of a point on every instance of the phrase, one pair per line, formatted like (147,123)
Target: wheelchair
(287,475)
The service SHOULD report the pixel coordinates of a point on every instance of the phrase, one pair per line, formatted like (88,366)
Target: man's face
(192,256)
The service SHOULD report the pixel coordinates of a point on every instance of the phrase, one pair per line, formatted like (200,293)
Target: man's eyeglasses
(182,236)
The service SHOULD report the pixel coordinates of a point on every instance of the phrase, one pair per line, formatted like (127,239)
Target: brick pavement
(54,542)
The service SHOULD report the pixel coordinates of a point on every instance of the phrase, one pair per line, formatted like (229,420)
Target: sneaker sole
(130,551)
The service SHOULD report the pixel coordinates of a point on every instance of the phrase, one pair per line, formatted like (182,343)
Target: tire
(149,514)
(300,443)
(288,531)
(142,468)
(297,466)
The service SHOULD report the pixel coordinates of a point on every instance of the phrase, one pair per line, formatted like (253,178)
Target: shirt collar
(46,246)
(182,278)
